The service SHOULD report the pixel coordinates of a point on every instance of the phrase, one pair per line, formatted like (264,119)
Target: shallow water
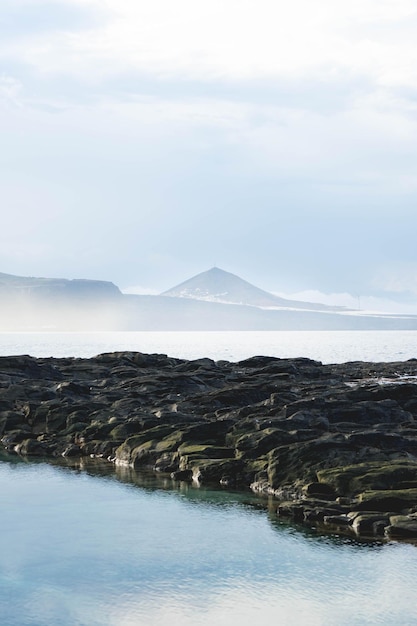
(84,549)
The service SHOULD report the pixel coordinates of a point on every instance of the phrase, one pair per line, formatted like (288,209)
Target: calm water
(93,548)
(83,550)
(325,346)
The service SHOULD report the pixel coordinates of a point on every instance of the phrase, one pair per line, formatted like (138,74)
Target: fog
(164,313)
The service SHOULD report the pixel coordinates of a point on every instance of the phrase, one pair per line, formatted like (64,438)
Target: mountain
(212,301)
(44,288)
(216,285)
(38,304)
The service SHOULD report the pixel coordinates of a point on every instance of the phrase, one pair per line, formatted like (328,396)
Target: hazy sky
(144,142)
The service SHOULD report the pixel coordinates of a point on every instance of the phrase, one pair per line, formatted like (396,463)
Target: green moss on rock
(373,475)
(396,500)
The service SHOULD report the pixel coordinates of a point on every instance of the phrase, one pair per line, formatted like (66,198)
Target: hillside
(217,285)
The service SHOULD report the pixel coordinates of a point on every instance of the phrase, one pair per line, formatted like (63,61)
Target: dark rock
(387,500)
(366,523)
(15,436)
(31,447)
(322,490)
(337,520)
(402,527)
(322,439)
(72,450)
(182,475)
(72,388)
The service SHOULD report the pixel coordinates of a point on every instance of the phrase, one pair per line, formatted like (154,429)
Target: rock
(216,470)
(387,500)
(71,450)
(366,523)
(182,475)
(402,527)
(14,437)
(322,490)
(323,440)
(370,476)
(337,520)
(31,447)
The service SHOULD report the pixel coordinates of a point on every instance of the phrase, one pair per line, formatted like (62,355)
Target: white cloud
(254,114)
(234,39)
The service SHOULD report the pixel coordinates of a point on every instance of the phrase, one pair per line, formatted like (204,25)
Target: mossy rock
(322,490)
(257,465)
(301,461)
(99,448)
(170,444)
(157,433)
(77,427)
(216,470)
(145,454)
(368,523)
(149,452)
(125,430)
(31,447)
(396,500)
(373,475)
(173,440)
(402,527)
(257,443)
(206,451)
(10,420)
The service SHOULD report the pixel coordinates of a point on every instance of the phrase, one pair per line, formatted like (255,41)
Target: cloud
(200,130)
(22,19)
(212,40)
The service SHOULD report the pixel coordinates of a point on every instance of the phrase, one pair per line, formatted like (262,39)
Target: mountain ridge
(31,286)
(218,285)
(36,304)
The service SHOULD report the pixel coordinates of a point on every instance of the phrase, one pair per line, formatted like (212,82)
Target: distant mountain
(214,300)
(30,287)
(216,285)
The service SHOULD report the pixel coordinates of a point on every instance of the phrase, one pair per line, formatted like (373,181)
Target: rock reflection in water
(89,548)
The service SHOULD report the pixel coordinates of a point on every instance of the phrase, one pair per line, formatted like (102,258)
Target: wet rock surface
(335,445)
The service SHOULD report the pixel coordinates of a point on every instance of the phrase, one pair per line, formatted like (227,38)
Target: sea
(325,346)
(88,544)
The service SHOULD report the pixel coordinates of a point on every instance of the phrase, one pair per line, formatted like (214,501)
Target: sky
(145,142)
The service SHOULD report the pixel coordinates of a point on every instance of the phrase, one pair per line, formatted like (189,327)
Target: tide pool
(91,547)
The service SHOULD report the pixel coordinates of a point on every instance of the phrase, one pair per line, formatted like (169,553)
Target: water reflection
(91,548)
(206,495)
(149,481)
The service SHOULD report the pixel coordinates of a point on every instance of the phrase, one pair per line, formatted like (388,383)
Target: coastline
(334,445)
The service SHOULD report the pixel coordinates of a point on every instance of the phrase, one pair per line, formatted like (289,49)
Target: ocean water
(94,545)
(325,346)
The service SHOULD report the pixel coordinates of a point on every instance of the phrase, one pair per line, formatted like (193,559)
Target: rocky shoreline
(335,446)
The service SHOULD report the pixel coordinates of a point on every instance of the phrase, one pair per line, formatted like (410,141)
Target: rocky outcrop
(335,445)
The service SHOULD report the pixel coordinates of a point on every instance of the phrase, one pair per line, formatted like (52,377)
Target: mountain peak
(214,284)
(217,285)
